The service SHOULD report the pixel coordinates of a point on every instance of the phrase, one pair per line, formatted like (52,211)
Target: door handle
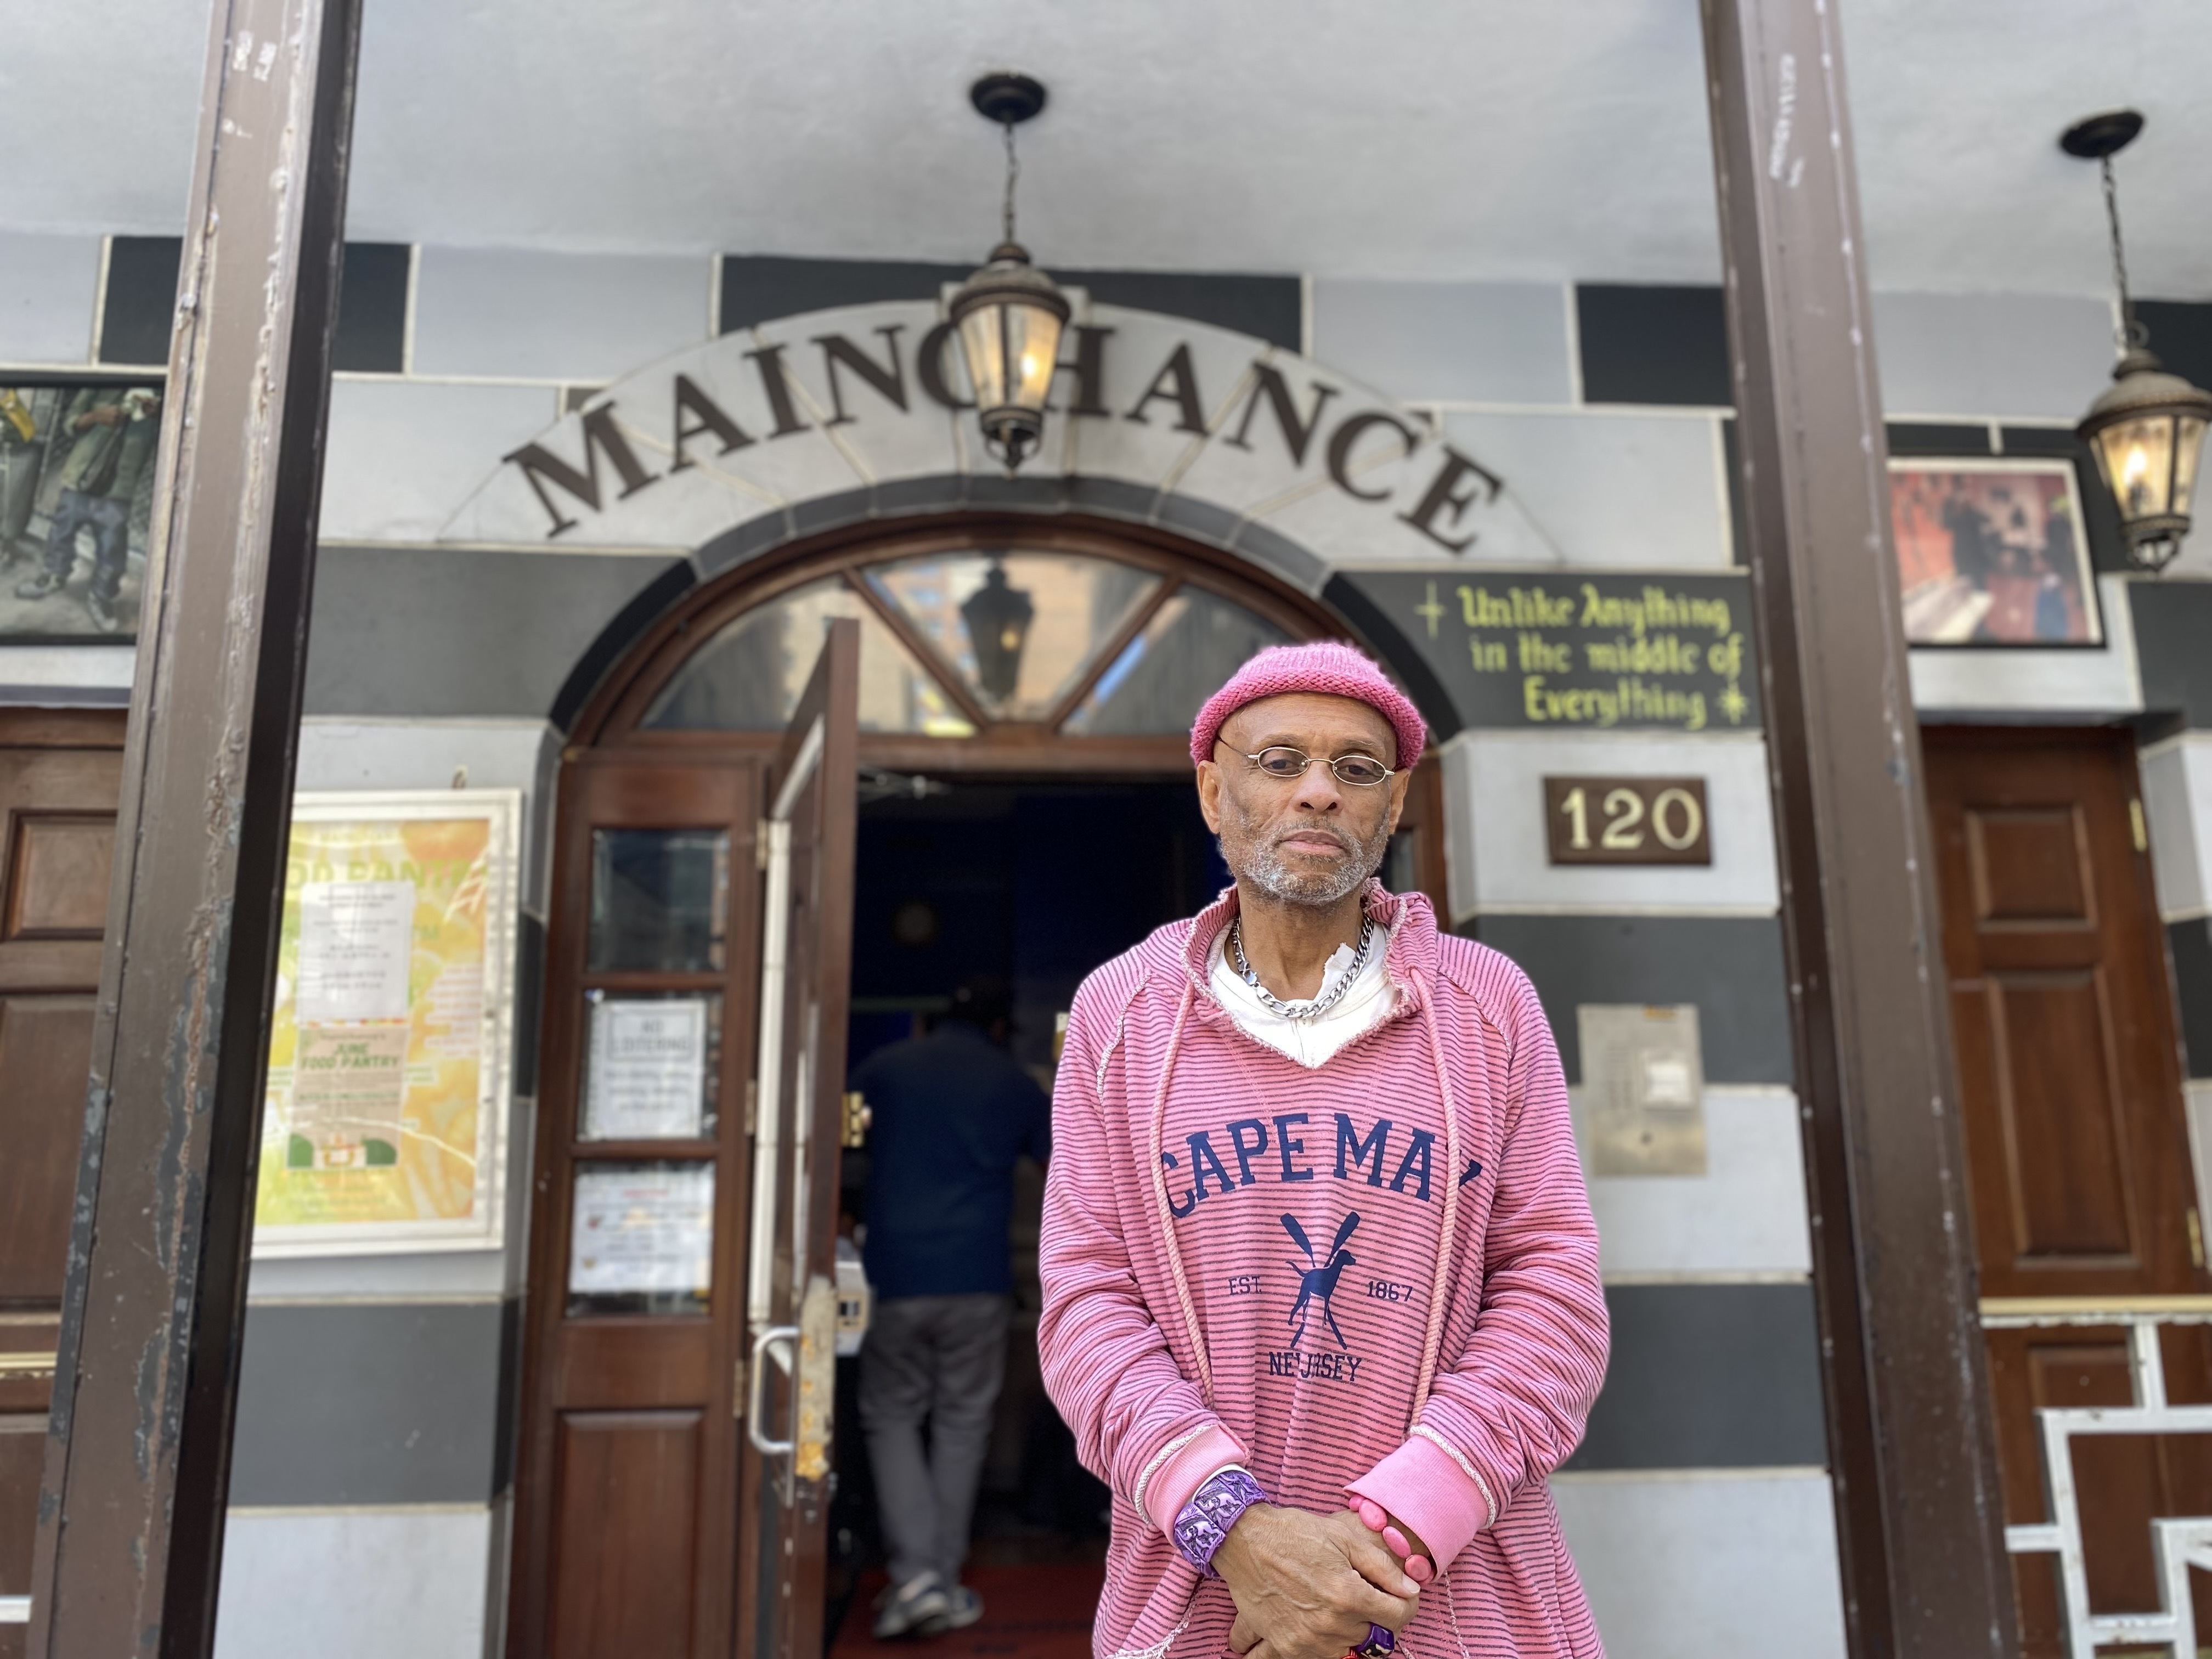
(756,1386)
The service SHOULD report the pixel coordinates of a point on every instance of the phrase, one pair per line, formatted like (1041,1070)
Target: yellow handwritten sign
(383,1122)
(1596,651)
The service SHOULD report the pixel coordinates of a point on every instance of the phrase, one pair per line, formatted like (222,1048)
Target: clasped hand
(1308,1586)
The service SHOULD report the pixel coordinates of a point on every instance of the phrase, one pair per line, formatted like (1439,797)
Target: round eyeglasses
(1287,765)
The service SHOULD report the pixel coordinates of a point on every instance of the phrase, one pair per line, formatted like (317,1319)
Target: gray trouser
(939,1358)
(109,523)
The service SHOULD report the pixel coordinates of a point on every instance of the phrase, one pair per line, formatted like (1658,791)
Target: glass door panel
(653,1065)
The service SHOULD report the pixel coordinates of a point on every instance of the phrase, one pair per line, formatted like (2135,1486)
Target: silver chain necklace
(1330,996)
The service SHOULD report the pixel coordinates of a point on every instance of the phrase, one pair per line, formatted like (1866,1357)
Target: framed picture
(77,497)
(1993,552)
(383,1127)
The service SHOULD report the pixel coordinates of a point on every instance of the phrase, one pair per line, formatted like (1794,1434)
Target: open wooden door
(694,886)
(807,839)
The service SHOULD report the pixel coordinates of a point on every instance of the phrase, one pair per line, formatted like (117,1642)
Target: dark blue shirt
(953,1111)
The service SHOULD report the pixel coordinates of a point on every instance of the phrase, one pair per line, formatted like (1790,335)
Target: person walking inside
(953,1111)
(1321,1284)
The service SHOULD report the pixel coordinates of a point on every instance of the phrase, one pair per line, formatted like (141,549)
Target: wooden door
(60,775)
(2082,1190)
(638,1494)
(810,835)
(627,1475)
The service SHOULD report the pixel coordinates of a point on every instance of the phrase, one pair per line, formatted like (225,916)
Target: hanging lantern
(997,619)
(1009,315)
(2147,430)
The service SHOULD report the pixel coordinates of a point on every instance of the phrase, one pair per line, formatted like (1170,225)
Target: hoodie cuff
(1193,1465)
(1423,1485)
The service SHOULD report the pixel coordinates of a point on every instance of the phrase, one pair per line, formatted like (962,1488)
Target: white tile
(1502,342)
(1607,489)
(1718,1566)
(354,1585)
(49,288)
(1967,682)
(587,317)
(2177,795)
(1745,1215)
(1494,782)
(1991,354)
(26,671)
(403,454)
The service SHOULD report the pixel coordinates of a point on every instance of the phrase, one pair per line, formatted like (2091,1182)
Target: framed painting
(384,1126)
(1993,552)
(76,498)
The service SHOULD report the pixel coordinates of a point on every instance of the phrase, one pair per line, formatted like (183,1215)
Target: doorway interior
(1003,786)
(1033,883)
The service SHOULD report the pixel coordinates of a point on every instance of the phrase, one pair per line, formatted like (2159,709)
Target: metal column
(1918,1510)
(131,1515)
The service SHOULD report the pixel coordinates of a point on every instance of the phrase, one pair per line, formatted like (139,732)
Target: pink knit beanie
(1324,667)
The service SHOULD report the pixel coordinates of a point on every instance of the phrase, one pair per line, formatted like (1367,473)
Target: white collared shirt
(1371,999)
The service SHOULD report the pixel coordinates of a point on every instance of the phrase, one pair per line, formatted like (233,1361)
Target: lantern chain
(1013,173)
(2133,335)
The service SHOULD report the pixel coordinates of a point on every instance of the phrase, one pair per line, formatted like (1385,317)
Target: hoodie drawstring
(1433,1341)
(1160,1191)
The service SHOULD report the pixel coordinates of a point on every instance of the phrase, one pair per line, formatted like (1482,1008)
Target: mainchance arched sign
(747,440)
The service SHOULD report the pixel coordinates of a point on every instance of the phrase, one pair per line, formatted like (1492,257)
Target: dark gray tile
(1203,519)
(372,333)
(370,1403)
(430,631)
(760,288)
(529,1001)
(1285,557)
(1653,345)
(1709,1376)
(2173,621)
(1729,966)
(821,512)
(1271,308)
(2191,945)
(644,609)
(748,540)
(941,492)
(2181,335)
(1116,498)
(140,301)
(1922,438)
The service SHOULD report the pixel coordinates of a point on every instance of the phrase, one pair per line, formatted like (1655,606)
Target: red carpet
(1041,1612)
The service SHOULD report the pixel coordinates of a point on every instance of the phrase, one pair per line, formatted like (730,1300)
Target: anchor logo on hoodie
(1317,1279)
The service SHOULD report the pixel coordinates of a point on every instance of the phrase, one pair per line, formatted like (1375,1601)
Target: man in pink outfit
(1321,1284)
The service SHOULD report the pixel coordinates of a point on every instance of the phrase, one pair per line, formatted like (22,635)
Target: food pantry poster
(383,1126)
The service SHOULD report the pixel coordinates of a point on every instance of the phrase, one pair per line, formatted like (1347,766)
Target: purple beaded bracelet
(1202,1524)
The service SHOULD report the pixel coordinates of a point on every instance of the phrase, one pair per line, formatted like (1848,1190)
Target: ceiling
(1408,138)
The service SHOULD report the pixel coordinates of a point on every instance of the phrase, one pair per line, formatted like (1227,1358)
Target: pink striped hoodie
(1379,1274)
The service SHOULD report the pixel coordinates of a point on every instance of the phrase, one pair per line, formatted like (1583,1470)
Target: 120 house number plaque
(1626,821)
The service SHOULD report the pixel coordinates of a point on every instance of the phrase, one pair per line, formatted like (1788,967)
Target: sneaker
(39,586)
(964,1608)
(917,1606)
(102,609)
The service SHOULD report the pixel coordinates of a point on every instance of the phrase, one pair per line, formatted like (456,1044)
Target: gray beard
(1267,870)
